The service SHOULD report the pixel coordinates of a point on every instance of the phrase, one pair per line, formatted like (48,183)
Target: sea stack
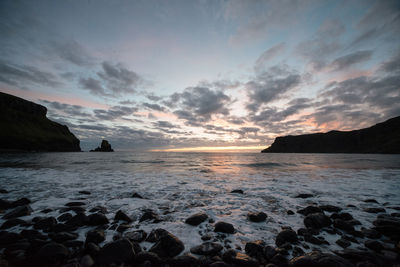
(104,147)
(25,127)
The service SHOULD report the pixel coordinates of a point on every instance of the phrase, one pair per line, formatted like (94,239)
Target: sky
(194,75)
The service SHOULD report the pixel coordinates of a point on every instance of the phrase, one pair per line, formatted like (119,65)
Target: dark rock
(92,249)
(356,256)
(121,216)
(60,227)
(18,212)
(269,252)
(343,225)
(224,227)
(310,209)
(75,203)
(380,138)
(86,261)
(196,219)
(343,243)
(4,204)
(257,216)
(78,220)
(20,202)
(207,248)
(374,210)
(45,224)
(104,147)
(7,238)
(255,249)
(84,192)
(136,195)
(52,253)
(317,220)
(350,238)
(286,236)
(304,196)
(354,222)
(343,216)
(371,200)
(370,233)
(330,208)
(64,217)
(313,240)
(63,236)
(374,245)
(318,259)
(3,191)
(97,219)
(12,222)
(150,215)
(46,211)
(136,236)
(156,234)
(117,252)
(32,234)
(297,251)
(95,236)
(144,256)
(123,227)
(239,259)
(279,260)
(185,261)
(290,212)
(237,191)
(73,243)
(167,245)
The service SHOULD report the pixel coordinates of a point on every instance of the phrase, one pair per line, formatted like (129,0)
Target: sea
(176,185)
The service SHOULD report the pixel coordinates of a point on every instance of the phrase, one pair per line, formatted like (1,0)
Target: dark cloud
(94,86)
(236,120)
(220,84)
(199,104)
(271,85)
(153,97)
(22,75)
(113,80)
(323,44)
(346,61)
(114,113)
(165,124)
(267,56)
(73,52)
(154,107)
(71,110)
(268,115)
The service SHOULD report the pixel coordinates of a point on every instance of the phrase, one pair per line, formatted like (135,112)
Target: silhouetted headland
(104,147)
(381,138)
(25,127)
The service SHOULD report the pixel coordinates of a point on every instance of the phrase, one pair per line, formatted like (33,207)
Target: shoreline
(77,236)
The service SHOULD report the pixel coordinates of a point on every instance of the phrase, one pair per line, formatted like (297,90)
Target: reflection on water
(175,162)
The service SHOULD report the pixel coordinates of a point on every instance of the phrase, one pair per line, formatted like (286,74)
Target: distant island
(25,127)
(383,138)
(104,147)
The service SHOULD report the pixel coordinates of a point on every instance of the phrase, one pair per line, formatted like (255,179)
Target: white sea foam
(176,185)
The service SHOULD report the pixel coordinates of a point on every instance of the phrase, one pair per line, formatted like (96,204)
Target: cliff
(25,127)
(381,138)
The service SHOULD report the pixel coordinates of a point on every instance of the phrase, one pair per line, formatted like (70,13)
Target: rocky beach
(271,216)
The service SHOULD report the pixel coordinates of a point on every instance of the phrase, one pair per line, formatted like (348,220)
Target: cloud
(271,85)
(73,52)
(154,107)
(21,75)
(267,56)
(71,110)
(112,81)
(346,61)
(94,86)
(324,43)
(114,113)
(199,104)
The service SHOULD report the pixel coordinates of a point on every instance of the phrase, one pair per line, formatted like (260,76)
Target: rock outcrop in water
(381,138)
(104,147)
(25,127)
